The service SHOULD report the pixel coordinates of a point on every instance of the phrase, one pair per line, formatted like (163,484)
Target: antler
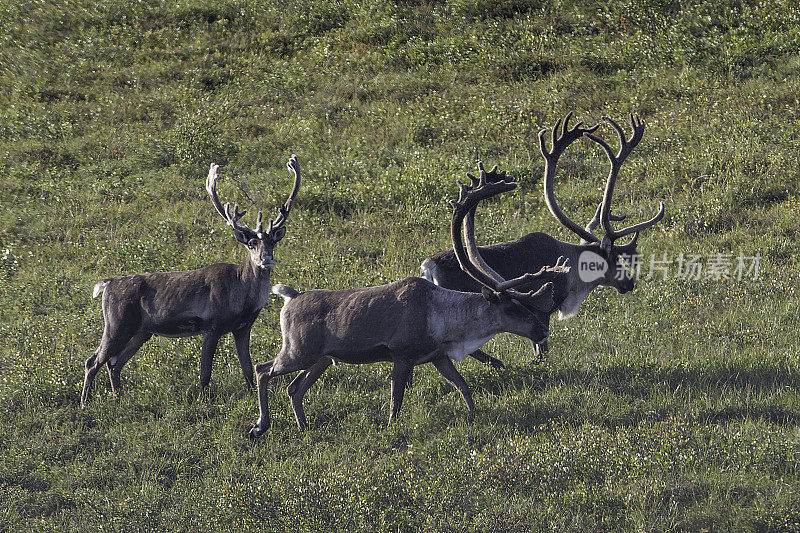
(560,142)
(493,176)
(626,147)
(470,258)
(283,210)
(592,225)
(468,232)
(232,218)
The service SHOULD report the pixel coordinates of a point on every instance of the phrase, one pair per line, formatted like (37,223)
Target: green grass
(674,407)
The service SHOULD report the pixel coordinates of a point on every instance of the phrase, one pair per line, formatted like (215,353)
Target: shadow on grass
(641,380)
(630,385)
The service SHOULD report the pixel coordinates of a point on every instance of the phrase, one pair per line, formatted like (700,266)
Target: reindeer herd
(464,298)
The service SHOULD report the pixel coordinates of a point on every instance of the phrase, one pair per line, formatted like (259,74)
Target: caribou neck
(250,272)
(577,289)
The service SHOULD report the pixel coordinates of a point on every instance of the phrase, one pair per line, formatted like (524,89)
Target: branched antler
(493,176)
(562,137)
(626,147)
(559,143)
(283,210)
(232,218)
(469,256)
(233,215)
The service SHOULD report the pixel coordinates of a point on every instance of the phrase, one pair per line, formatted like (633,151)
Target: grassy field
(672,408)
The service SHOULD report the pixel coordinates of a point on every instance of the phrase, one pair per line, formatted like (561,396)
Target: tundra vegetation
(673,407)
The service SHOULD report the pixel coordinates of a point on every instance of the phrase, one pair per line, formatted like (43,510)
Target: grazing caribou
(408,322)
(211,301)
(535,250)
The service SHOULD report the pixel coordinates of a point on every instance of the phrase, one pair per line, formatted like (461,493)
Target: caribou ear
(278,233)
(240,236)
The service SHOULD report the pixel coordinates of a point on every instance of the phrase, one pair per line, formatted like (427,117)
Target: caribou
(211,301)
(409,322)
(601,261)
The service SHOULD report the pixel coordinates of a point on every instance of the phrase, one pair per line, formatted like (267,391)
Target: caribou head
(259,242)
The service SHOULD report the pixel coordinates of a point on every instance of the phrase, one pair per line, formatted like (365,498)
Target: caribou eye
(252,244)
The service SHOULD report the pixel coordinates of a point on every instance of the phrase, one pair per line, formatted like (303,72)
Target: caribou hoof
(257,431)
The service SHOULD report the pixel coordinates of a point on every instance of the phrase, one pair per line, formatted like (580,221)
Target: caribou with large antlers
(534,250)
(408,322)
(211,301)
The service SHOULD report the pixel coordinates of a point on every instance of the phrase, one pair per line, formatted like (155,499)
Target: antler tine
(560,141)
(559,144)
(233,218)
(546,273)
(642,225)
(493,176)
(541,298)
(554,137)
(595,221)
(283,210)
(626,147)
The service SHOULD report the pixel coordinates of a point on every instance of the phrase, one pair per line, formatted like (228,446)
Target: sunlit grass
(674,407)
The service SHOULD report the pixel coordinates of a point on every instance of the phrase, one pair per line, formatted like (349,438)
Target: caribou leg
(401,373)
(113,344)
(242,339)
(300,385)
(446,367)
(487,359)
(115,364)
(210,341)
(264,372)
(540,353)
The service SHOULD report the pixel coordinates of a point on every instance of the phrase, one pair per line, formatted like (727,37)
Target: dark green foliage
(672,408)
